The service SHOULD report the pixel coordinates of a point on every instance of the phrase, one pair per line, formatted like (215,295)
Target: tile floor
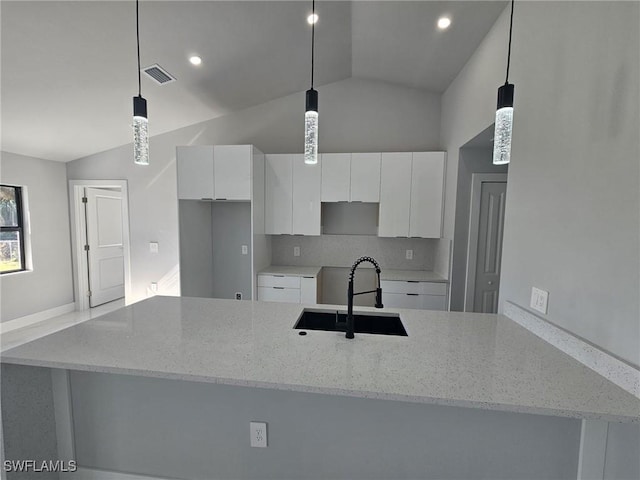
(23,335)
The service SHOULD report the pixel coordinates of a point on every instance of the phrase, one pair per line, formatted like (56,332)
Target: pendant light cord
(509,51)
(138,43)
(313,36)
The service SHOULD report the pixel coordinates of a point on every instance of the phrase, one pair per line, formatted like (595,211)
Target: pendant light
(311,111)
(504,113)
(140,121)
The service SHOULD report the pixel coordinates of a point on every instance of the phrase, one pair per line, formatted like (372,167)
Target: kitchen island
(473,381)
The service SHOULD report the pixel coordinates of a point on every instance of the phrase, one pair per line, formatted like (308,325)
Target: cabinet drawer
(279,294)
(414,301)
(285,281)
(421,288)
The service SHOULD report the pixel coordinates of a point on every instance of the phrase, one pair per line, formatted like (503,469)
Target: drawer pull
(413,294)
(279,288)
(279,276)
(413,281)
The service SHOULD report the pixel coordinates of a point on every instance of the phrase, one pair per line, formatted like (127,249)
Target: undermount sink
(335,321)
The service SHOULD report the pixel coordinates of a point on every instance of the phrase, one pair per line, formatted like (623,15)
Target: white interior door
(489,253)
(105,248)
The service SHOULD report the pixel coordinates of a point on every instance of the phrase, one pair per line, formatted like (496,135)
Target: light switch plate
(539,300)
(245,249)
(153,247)
(258,432)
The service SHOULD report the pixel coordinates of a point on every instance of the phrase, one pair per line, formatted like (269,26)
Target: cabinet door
(335,176)
(232,172)
(278,194)
(395,195)
(309,290)
(427,186)
(365,177)
(195,172)
(306,197)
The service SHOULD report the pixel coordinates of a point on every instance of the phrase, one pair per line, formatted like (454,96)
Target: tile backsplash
(343,250)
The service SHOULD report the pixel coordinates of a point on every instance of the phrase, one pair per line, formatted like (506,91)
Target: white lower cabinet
(416,295)
(287,288)
(279,294)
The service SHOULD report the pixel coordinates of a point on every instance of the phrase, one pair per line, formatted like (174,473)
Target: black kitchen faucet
(351,294)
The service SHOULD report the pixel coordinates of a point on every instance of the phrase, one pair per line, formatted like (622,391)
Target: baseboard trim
(616,371)
(92,474)
(36,317)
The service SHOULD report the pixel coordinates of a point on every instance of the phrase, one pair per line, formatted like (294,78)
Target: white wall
(355,115)
(50,283)
(572,224)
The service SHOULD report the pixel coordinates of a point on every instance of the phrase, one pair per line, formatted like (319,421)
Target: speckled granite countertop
(468,360)
(386,274)
(286,270)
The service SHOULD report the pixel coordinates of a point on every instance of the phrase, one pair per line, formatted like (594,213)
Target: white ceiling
(69,68)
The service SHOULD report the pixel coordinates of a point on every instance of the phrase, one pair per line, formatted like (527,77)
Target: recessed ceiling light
(313,18)
(195,60)
(444,22)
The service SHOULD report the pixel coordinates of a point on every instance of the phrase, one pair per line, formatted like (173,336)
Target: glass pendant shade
(140,131)
(311,128)
(503,126)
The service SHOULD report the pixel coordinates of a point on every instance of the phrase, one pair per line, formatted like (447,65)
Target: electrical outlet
(154,287)
(153,247)
(296,251)
(245,250)
(409,255)
(258,434)
(238,295)
(539,300)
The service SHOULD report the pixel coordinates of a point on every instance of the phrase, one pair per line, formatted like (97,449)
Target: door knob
(490,283)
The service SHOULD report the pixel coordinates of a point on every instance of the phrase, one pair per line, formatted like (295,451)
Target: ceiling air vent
(158,74)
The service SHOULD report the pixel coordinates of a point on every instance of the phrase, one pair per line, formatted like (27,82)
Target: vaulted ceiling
(68,69)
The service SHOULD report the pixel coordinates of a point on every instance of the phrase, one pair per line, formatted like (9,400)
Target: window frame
(19,228)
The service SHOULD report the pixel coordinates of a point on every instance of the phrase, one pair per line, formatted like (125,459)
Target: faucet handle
(379,298)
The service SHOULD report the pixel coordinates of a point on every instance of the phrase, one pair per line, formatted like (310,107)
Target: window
(12,257)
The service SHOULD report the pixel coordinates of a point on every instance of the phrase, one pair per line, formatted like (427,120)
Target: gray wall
(50,283)
(196,430)
(623,445)
(572,224)
(356,115)
(471,160)
(196,249)
(231,226)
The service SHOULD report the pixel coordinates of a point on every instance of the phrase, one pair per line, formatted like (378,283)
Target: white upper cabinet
(427,186)
(306,197)
(195,172)
(232,172)
(411,194)
(292,196)
(365,177)
(221,172)
(335,176)
(395,195)
(278,207)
